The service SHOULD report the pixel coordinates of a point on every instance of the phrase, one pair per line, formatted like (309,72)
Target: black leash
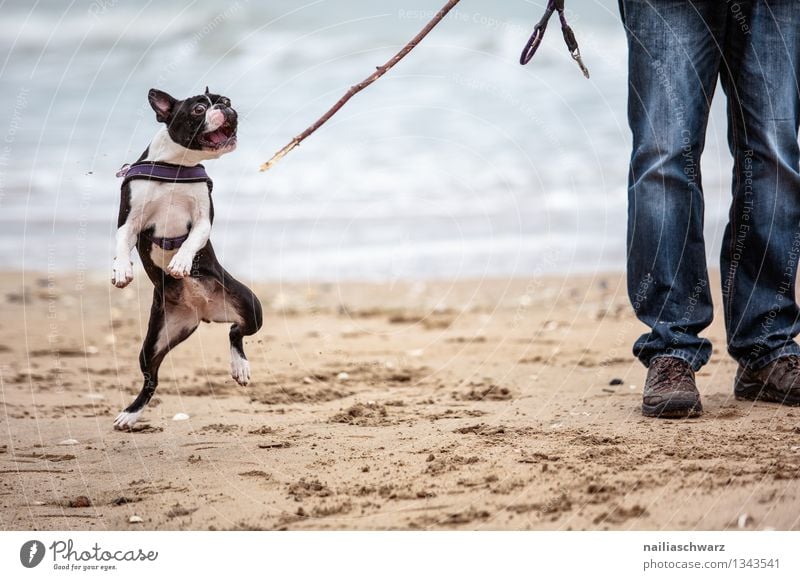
(538,33)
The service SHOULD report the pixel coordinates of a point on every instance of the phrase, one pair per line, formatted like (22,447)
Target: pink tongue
(216,137)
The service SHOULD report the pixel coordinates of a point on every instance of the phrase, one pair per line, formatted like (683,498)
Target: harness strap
(165,173)
(168,243)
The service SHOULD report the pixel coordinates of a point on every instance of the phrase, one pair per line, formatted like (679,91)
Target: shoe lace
(786,369)
(672,371)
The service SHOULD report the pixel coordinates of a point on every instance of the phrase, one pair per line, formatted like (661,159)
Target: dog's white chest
(167,207)
(169,210)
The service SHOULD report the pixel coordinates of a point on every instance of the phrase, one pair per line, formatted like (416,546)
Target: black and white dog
(166,212)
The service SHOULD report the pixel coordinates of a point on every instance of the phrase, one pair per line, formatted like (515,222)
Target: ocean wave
(457,147)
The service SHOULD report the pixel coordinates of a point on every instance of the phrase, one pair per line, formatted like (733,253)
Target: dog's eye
(225,101)
(198,109)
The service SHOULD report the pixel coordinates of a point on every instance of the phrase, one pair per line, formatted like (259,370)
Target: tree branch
(379,72)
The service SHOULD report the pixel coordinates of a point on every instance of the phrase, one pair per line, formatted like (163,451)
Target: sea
(459,163)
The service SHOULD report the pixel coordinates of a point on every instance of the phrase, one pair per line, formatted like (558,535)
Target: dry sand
(502,404)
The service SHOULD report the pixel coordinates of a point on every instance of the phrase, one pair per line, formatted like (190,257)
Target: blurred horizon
(458,163)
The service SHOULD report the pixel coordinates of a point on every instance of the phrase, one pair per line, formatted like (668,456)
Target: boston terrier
(166,212)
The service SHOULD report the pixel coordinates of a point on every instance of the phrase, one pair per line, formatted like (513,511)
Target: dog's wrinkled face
(206,122)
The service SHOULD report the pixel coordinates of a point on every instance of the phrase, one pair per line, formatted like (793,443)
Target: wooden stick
(379,72)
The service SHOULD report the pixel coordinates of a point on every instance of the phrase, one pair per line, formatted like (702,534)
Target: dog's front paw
(121,273)
(181,265)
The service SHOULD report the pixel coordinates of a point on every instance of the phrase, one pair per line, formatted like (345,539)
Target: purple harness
(166,173)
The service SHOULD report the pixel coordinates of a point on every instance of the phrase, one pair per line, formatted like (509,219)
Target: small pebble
(343,376)
(68,442)
(308,380)
(135,520)
(614,382)
(180,417)
(80,502)
(743,521)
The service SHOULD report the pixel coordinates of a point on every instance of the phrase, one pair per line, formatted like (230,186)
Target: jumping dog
(166,212)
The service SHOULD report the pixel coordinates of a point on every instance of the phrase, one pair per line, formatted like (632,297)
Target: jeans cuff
(786,350)
(690,357)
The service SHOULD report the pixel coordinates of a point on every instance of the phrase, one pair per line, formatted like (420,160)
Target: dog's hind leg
(250,317)
(170,324)
(234,302)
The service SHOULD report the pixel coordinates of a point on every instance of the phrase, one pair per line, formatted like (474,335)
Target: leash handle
(538,33)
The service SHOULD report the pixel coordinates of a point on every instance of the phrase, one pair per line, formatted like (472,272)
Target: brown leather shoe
(778,382)
(670,390)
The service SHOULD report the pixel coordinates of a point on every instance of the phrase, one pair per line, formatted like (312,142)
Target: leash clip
(577,57)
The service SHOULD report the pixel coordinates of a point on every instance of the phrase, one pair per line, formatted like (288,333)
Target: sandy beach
(485,404)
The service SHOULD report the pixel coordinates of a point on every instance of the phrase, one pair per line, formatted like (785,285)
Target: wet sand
(486,404)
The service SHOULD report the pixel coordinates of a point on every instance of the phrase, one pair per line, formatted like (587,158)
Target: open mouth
(224,136)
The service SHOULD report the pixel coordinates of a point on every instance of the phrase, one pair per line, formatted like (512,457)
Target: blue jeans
(677,51)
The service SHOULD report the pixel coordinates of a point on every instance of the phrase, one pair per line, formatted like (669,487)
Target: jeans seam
(784,351)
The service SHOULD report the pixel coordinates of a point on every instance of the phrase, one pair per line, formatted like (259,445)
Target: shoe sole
(673,409)
(759,392)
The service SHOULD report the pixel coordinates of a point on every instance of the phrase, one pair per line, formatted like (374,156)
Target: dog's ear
(207,91)
(162,104)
